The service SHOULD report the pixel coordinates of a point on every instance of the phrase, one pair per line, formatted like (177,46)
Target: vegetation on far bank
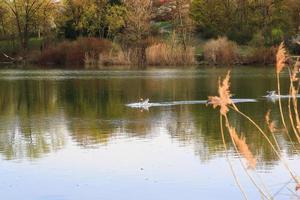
(93,33)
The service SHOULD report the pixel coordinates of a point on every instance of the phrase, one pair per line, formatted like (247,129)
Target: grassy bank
(13,47)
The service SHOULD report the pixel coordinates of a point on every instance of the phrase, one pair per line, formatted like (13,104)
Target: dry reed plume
(224,98)
(223,101)
(293,102)
(242,147)
(236,179)
(281,58)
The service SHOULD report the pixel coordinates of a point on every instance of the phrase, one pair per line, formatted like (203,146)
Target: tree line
(134,22)
(68,19)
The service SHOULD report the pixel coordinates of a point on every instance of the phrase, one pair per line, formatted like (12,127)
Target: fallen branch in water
(12,59)
(7,56)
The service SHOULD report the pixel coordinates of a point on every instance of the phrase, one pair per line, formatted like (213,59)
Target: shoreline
(31,66)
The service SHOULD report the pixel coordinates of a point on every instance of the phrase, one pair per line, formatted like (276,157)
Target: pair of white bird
(145,104)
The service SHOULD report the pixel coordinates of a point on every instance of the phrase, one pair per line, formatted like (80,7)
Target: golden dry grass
(159,54)
(163,54)
(220,51)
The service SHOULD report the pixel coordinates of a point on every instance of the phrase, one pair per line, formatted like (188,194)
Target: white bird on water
(144,102)
(272,94)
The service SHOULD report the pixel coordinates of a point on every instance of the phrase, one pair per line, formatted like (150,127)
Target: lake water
(68,135)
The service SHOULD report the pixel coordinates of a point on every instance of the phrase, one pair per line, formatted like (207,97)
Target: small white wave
(147,105)
(272,96)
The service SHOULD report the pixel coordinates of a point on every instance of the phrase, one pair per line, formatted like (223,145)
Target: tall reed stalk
(242,148)
(293,102)
(281,58)
(226,104)
(228,160)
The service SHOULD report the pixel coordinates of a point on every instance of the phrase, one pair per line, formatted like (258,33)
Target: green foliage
(241,20)
(83,18)
(115,19)
(209,17)
(11,47)
(100,18)
(277,35)
(258,40)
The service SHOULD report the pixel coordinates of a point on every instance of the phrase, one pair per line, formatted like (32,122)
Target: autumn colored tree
(182,23)
(26,14)
(137,29)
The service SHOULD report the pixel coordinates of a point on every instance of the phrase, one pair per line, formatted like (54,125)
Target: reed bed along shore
(163,54)
(95,53)
(290,124)
(222,51)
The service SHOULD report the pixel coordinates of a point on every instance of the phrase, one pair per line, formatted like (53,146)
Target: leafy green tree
(239,20)
(294,10)
(92,18)
(72,14)
(115,19)
(212,16)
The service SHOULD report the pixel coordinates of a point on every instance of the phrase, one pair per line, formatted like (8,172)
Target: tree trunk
(3,27)
(142,58)
(25,40)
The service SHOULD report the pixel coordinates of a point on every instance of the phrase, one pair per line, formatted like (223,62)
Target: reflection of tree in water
(199,126)
(202,135)
(36,115)
(99,105)
(21,138)
(31,124)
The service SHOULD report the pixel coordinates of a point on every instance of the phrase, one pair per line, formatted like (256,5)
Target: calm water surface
(68,135)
